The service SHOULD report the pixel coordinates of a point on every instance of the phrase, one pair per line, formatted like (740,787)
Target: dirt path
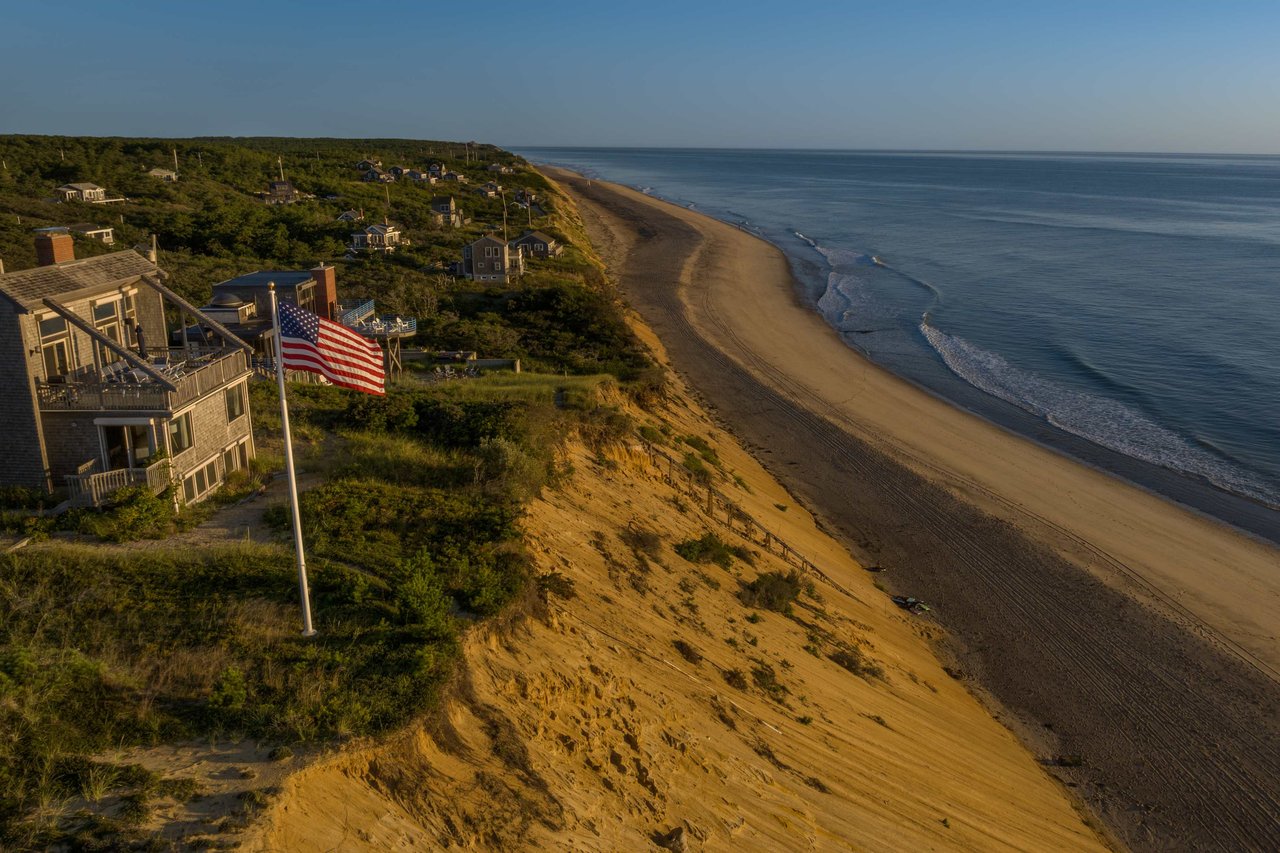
(1177,740)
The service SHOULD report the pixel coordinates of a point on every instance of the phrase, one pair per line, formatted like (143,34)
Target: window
(180,434)
(200,482)
(235,402)
(55,346)
(106,320)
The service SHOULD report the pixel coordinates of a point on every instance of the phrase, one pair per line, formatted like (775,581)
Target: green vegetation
(772,591)
(710,548)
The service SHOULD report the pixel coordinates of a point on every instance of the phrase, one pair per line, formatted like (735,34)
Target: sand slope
(586,729)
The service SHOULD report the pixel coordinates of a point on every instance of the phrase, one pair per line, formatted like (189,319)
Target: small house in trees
(167,175)
(489,189)
(351,216)
(103,233)
(445,212)
(383,237)
(91,193)
(281,192)
(501,169)
(538,244)
(366,165)
(490,259)
(377,176)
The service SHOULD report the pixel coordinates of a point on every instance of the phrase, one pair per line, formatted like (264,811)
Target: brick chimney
(327,279)
(54,247)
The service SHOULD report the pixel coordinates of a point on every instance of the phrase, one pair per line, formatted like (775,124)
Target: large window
(106,319)
(55,343)
(180,437)
(235,402)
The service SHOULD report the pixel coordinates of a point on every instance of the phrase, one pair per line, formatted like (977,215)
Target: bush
(772,591)
(712,549)
(134,512)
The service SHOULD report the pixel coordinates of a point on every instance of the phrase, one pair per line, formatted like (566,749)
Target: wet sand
(1101,621)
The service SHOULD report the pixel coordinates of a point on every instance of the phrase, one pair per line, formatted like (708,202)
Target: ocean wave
(1109,423)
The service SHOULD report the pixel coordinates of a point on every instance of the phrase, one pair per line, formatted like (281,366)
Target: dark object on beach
(914,605)
(874,568)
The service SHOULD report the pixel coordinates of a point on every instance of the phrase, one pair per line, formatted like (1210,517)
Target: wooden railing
(93,489)
(194,371)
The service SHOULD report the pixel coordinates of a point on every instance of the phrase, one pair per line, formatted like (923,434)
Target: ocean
(1120,308)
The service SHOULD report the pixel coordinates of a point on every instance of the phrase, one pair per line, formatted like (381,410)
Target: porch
(191,373)
(91,488)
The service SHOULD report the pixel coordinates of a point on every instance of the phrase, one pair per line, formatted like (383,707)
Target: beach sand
(1100,621)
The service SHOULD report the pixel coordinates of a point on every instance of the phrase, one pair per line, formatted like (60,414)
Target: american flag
(335,352)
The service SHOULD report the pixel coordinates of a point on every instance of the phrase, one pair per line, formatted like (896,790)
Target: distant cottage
(489,189)
(91,193)
(490,259)
(281,192)
(446,213)
(351,216)
(167,175)
(102,233)
(538,244)
(384,237)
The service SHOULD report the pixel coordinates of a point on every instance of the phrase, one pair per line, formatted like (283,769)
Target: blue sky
(1118,76)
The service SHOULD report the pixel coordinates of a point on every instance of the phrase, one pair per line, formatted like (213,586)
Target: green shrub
(772,591)
(134,512)
(710,548)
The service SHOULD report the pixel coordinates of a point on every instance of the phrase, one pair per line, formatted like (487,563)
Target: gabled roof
(489,238)
(29,287)
(540,236)
(379,228)
(80,187)
(442,201)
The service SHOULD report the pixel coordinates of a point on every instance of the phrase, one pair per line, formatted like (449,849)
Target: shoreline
(1248,514)
(1034,560)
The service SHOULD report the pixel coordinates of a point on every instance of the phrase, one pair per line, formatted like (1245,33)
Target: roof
(535,235)
(29,287)
(88,227)
(489,238)
(262,278)
(81,187)
(380,228)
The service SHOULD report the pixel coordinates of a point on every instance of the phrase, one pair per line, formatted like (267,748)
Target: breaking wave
(1109,423)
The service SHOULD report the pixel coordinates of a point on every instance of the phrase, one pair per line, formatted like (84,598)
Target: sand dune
(586,728)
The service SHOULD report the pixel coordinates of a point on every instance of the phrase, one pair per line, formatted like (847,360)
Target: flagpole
(307,630)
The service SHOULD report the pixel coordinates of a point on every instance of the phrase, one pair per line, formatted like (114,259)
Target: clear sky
(1030,75)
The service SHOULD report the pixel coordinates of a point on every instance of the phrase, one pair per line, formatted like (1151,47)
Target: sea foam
(1106,422)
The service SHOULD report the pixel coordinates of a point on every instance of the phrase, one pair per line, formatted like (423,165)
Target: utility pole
(504,216)
(175,160)
(200,157)
(280,163)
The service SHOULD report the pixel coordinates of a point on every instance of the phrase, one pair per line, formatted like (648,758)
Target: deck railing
(93,489)
(194,371)
(351,313)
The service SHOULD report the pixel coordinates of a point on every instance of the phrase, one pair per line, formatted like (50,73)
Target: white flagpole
(307,630)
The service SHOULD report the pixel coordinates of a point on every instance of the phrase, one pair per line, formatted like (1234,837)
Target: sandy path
(1171,706)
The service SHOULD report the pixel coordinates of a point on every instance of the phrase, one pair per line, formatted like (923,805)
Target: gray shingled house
(490,259)
(95,397)
(538,244)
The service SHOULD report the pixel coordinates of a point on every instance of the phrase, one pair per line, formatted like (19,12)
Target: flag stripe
(316,345)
